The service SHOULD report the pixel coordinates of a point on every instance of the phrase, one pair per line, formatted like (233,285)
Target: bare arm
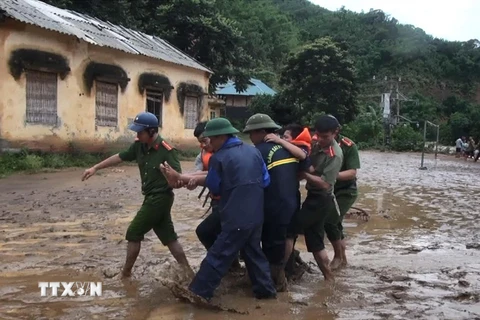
(177,180)
(109,162)
(191,180)
(329,174)
(198,173)
(293,149)
(347,175)
(196,176)
(301,176)
(200,180)
(315,180)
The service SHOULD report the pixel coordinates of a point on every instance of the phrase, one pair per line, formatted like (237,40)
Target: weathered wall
(76,106)
(218,111)
(237,101)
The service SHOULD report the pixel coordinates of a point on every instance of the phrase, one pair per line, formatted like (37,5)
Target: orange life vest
(205,159)
(304,139)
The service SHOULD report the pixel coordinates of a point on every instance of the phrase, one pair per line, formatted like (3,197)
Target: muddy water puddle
(409,261)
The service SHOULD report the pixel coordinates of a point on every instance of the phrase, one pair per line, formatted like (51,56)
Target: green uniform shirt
(351,160)
(327,163)
(149,160)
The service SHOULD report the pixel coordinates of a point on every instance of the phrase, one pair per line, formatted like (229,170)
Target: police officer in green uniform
(346,195)
(149,151)
(326,158)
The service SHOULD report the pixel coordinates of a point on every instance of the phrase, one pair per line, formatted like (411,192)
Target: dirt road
(417,258)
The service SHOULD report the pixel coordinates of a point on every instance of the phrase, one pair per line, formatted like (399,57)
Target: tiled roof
(96,32)
(256,87)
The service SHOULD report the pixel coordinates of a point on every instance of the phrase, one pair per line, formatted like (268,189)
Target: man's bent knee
(333,232)
(133,235)
(166,233)
(169,239)
(314,241)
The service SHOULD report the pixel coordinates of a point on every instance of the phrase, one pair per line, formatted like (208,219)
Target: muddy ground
(417,258)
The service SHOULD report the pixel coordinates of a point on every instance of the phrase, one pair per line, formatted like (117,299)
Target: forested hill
(239,39)
(256,37)
(379,44)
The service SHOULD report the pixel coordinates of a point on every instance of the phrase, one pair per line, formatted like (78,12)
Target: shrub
(405,138)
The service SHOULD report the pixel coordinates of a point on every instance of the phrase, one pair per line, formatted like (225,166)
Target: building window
(222,113)
(213,114)
(155,104)
(191,112)
(106,102)
(41,97)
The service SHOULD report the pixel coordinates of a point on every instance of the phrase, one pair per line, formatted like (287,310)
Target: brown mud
(418,256)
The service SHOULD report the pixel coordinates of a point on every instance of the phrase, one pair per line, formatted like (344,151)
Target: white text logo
(70,289)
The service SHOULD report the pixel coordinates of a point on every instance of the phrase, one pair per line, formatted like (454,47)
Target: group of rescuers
(255,197)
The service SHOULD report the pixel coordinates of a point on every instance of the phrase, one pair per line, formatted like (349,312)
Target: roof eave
(4,14)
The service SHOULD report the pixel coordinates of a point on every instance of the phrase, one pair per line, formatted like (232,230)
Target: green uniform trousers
(311,220)
(333,224)
(154,214)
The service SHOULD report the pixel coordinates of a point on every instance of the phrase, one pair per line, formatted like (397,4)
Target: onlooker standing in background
(470,148)
(476,153)
(459,147)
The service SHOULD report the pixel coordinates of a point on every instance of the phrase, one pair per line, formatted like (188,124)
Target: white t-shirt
(199,162)
(459,143)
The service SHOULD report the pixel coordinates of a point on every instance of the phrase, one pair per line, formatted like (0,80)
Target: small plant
(34,161)
(31,162)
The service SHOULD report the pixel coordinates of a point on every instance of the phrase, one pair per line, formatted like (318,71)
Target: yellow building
(67,78)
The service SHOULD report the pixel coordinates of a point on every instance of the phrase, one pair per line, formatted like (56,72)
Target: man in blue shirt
(238,174)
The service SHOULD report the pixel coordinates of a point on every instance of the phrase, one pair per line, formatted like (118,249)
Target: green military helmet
(260,121)
(218,127)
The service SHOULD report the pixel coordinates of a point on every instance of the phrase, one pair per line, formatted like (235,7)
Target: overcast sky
(448,19)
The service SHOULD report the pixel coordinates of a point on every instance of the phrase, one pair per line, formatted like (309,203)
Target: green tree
(279,107)
(238,39)
(459,124)
(321,78)
(262,103)
(405,138)
(366,129)
(199,29)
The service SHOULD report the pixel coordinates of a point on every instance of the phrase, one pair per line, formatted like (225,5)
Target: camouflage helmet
(260,121)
